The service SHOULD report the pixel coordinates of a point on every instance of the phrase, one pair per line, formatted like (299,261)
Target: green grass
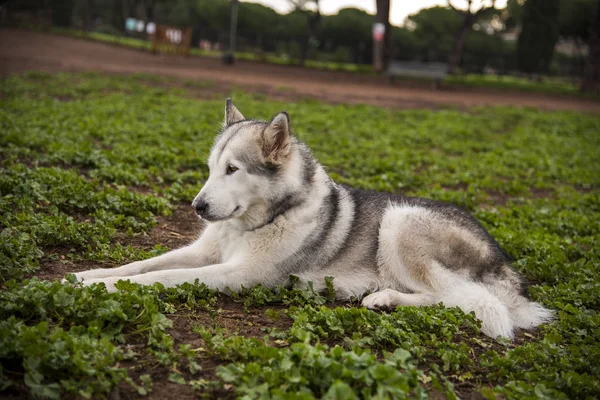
(545,85)
(90,162)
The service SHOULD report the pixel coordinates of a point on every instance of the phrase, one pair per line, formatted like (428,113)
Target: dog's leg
(216,276)
(388,298)
(202,252)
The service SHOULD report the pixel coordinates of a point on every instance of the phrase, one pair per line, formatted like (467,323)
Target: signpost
(378,37)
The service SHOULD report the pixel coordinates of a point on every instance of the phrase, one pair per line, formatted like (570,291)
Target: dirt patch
(24,50)
(540,193)
(176,230)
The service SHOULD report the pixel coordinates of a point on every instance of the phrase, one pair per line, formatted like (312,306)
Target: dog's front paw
(378,300)
(84,276)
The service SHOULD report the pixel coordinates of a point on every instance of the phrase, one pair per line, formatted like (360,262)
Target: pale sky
(399,8)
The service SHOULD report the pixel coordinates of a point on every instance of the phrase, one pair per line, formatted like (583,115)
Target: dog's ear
(276,138)
(232,114)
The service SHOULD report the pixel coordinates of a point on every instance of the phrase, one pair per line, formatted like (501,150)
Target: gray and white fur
(273,211)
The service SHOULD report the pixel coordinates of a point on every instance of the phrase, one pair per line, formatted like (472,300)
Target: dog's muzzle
(201,207)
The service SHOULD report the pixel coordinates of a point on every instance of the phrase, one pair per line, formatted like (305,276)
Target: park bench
(435,71)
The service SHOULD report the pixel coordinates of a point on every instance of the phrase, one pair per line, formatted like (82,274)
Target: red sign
(378,31)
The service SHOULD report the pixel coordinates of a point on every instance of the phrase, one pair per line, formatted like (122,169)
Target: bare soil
(22,50)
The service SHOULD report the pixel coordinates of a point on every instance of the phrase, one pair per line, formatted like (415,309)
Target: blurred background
(452,41)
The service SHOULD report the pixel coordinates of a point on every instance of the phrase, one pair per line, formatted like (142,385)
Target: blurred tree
(591,78)
(512,15)
(310,8)
(429,36)
(350,28)
(149,7)
(535,46)
(469,16)
(576,18)
(433,29)
(89,15)
(258,25)
(62,11)
(404,44)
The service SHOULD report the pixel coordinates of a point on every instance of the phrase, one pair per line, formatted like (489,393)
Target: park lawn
(94,168)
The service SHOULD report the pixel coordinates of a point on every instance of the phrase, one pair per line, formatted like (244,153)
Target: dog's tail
(500,310)
(529,314)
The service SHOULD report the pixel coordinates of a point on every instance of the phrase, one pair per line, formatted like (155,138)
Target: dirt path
(24,50)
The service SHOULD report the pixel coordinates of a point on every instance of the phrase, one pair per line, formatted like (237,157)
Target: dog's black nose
(201,207)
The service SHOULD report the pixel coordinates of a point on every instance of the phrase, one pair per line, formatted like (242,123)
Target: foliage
(68,339)
(576,18)
(62,12)
(541,28)
(317,372)
(91,162)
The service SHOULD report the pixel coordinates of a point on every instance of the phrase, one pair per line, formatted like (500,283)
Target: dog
(273,211)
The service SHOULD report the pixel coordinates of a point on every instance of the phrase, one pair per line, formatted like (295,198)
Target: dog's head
(250,168)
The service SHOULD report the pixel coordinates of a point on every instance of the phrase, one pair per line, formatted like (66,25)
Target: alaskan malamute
(273,211)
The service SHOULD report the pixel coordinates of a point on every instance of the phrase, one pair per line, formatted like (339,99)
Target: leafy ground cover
(96,170)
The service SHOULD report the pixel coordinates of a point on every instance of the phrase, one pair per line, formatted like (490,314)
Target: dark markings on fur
(228,133)
(310,254)
(282,206)
(308,164)
(362,234)
(457,255)
(255,166)
(263,169)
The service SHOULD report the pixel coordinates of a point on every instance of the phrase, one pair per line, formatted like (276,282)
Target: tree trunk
(89,15)
(149,10)
(459,44)
(383,16)
(124,13)
(591,77)
(304,52)
(312,24)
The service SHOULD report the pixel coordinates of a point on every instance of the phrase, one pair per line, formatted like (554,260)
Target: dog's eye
(231,169)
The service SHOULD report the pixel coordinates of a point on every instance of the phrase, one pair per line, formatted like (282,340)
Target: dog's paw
(93,274)
(382,299)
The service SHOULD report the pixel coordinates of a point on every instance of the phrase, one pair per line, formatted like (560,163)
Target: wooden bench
(435,71)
